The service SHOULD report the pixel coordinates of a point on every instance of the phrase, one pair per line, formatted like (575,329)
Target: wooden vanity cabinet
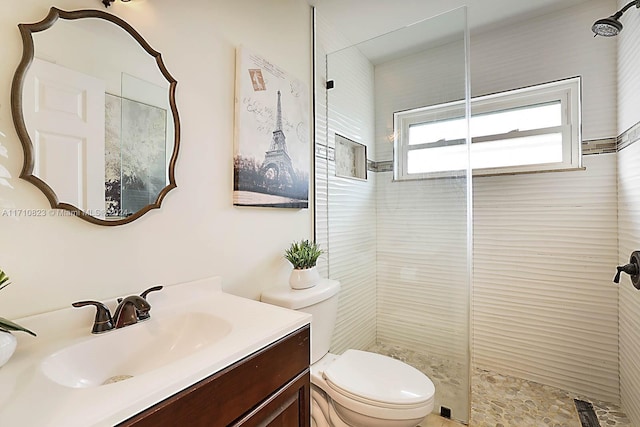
(270,387)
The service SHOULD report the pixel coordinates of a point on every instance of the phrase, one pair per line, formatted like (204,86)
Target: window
(525,130)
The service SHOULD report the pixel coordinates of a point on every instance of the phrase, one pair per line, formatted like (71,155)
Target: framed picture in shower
(272,135)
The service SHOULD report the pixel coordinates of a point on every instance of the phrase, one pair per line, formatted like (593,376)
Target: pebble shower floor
(503,401)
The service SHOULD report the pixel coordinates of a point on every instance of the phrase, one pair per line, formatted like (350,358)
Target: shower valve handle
(631,269)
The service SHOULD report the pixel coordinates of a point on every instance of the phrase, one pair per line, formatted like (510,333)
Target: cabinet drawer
(224,397)
(288,407)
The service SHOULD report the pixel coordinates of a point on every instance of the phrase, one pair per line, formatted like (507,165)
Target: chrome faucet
(130,310)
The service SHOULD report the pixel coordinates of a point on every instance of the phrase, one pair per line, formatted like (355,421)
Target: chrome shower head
(607,27)
(611,26)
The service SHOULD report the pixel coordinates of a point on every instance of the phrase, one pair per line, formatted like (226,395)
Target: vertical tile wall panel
(422,273)
(423,289)
(349,204)
(352,262)
(544,305)
(629,210)
(544,244)
(557,219)
(352,233)
(628,107)
(629,240)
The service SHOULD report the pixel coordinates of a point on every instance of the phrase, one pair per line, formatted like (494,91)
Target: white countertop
(29,398)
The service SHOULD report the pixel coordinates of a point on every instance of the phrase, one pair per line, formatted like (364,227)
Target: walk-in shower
(548,327)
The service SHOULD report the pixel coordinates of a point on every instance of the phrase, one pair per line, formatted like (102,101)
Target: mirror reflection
(95,110)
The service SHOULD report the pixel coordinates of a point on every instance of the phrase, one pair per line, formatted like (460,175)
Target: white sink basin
(134,350)
(63,377)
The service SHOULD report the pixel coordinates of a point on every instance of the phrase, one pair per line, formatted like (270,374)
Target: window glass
(517,119)
(525,130)
(530,150)
(424,133)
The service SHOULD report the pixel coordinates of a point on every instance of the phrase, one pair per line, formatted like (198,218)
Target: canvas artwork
(272,144)
(135,166)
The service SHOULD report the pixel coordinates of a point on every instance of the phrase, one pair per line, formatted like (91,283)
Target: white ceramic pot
(7,346)
(303,279)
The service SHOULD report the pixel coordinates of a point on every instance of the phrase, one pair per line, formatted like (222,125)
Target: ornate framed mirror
(94,107)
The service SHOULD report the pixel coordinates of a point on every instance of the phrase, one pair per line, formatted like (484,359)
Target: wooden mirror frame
(18,118)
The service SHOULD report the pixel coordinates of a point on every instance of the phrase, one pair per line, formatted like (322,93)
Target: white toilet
(358,388)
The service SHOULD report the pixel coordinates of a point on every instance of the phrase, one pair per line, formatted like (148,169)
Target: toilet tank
(321,301)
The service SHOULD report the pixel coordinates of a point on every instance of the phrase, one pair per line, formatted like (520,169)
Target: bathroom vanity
(204,358)
(267,388)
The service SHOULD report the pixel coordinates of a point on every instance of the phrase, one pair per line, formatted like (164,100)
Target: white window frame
(566,91)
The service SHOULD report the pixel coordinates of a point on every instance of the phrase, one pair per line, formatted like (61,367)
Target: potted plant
(303,256)
(7,341)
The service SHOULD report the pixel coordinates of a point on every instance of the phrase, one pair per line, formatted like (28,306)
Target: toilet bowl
(357,388)
(368,389)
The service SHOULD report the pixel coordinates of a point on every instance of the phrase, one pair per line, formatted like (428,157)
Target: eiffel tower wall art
(272,138)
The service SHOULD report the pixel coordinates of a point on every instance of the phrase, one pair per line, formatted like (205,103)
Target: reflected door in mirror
(64,112)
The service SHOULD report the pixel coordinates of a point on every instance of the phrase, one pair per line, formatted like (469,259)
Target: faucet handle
(103,321)
(144,314)
(153,289)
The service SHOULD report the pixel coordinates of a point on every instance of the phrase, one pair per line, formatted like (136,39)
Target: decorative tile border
(325,153)
(599,146)
(629,136)
(386,166)
(589,147)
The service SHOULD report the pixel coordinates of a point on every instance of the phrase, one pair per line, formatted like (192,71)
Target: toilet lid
(379,378)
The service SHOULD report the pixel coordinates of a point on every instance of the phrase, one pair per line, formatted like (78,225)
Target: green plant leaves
(5,324)
(303,254)
(4,280)
(8,326)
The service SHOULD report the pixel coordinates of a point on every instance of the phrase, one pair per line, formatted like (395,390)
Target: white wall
(629,210)
(54,261)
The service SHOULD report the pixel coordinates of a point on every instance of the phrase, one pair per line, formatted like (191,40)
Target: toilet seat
(378,386)
(373,377)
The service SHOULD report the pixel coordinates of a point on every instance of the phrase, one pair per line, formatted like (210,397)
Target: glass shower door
(398,233)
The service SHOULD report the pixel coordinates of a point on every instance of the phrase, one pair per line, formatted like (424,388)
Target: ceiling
(360,20)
